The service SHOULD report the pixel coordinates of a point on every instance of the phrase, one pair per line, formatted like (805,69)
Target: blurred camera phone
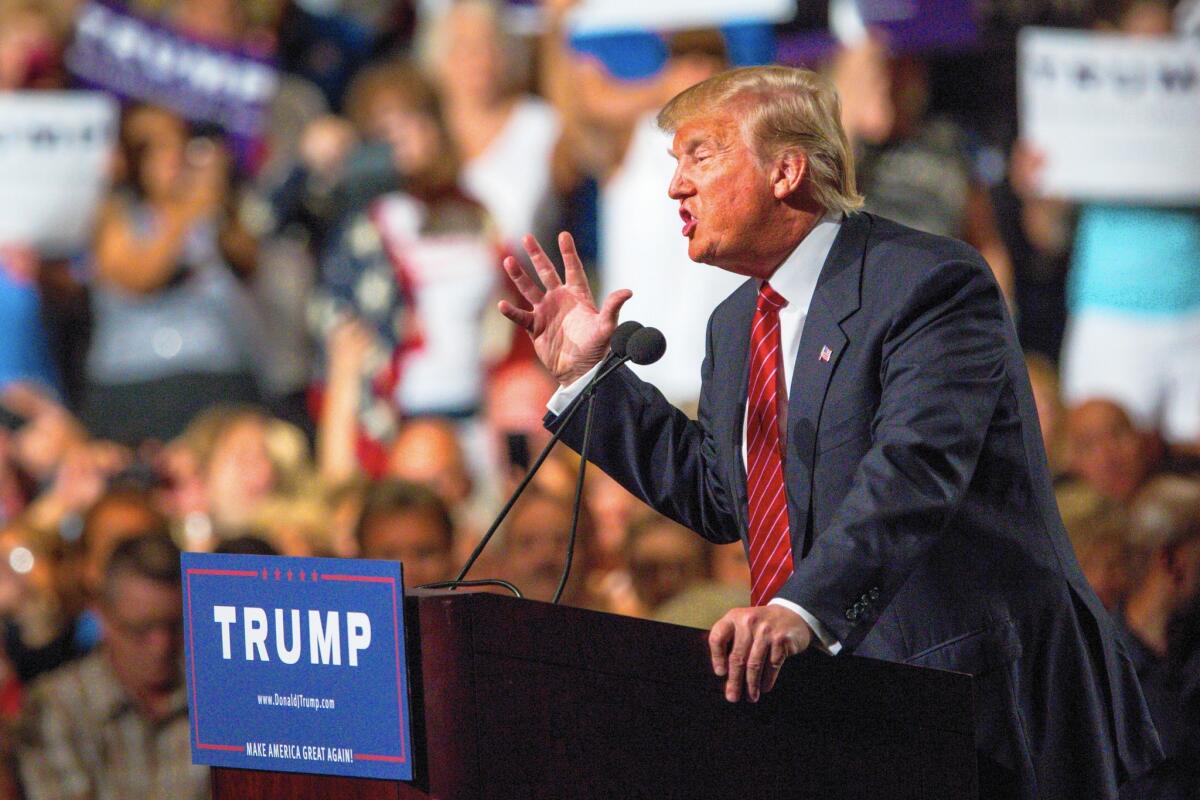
(518,449)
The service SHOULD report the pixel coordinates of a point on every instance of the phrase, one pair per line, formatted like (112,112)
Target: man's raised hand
(570,335)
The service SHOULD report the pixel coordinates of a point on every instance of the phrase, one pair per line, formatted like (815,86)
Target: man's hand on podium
(749,646)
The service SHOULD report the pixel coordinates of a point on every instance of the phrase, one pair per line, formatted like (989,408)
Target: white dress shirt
(796,280)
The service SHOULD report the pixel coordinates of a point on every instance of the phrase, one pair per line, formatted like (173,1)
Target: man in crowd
(1164,536)
(409,523)
(1106,451)
(114,724)
(866,427)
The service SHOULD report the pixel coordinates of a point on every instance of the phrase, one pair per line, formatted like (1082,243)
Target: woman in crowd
(508,141)
(415,270)
(173,330)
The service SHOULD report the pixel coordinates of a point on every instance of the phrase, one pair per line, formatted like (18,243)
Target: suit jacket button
(874,592)
(852,613)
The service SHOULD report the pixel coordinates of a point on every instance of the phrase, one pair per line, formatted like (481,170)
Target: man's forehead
(694,132)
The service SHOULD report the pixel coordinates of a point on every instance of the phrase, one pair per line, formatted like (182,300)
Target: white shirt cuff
(565,395)
(832,645)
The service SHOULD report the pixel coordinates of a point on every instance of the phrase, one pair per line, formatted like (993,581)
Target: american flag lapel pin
(826,353)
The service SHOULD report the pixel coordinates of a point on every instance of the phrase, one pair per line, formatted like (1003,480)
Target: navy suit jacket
(924,528)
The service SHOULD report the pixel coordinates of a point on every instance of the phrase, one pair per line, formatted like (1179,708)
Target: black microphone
(619,342)
(645,346)
(618,354)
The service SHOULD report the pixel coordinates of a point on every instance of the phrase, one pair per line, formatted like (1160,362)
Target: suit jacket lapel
(735,387)
(837,297)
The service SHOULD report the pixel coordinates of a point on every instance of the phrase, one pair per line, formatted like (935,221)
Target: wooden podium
(520,700)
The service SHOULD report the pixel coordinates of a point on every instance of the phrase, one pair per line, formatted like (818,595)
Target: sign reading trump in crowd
(297,665)
(141,60)
(1115,118)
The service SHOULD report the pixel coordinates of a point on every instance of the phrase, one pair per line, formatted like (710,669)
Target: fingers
(541,263)
(525,285)
(718,644)
(780,650)
(572,265)
(750,645)
(756,662)
(611,309)
(739,654)
(519,316)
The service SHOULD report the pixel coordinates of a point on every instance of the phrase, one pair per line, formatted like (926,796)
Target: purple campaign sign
(140,60)
(910,27)
(297,665)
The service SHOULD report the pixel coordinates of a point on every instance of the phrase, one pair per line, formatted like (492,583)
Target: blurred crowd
(290,345)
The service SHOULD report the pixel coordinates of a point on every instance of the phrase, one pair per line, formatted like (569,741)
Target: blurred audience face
(427,451)
(156,147)
(212,20)
(415,537)
(664,559)
(470,61)
(1164,533)
(240,473)
(535,545)
(28,48)
(143,629)
(114,518)
(612,508)
(1105,450)
(1149,19)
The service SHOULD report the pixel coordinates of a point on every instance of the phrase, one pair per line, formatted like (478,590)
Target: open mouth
(689,222)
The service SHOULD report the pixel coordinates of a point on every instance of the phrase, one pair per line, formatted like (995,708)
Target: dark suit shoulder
(903,266)
(916,253)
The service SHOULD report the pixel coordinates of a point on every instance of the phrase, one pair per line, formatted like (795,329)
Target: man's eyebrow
(688,145)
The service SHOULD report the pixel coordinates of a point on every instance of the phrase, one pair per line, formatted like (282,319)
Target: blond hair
(783,108)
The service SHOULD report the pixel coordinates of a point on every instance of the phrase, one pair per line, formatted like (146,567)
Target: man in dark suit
(866,427)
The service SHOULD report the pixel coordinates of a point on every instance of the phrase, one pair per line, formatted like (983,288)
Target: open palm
(570,334)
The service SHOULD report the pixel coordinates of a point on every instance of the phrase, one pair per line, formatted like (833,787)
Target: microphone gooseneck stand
(617,356)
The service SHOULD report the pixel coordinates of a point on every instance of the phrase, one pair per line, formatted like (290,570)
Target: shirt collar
(796,278)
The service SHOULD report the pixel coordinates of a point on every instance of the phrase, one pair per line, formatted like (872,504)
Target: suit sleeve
(942,371)
(653,450)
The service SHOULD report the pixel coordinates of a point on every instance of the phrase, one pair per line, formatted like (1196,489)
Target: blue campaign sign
(297,664)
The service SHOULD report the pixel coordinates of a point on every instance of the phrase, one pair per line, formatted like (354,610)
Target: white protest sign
(54,156)
(1116,118)
(613,16)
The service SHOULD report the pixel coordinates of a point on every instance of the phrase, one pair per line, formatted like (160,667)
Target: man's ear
(787,173)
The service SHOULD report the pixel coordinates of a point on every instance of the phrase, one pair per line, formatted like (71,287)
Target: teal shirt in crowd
(1137,260)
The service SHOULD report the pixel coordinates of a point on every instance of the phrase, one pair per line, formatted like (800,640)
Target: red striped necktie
(770,538)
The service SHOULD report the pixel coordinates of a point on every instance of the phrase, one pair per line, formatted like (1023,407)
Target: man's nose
(680,186)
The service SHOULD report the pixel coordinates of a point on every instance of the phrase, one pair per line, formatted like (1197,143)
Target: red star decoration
(301,574)
(289,574)
(277,573)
